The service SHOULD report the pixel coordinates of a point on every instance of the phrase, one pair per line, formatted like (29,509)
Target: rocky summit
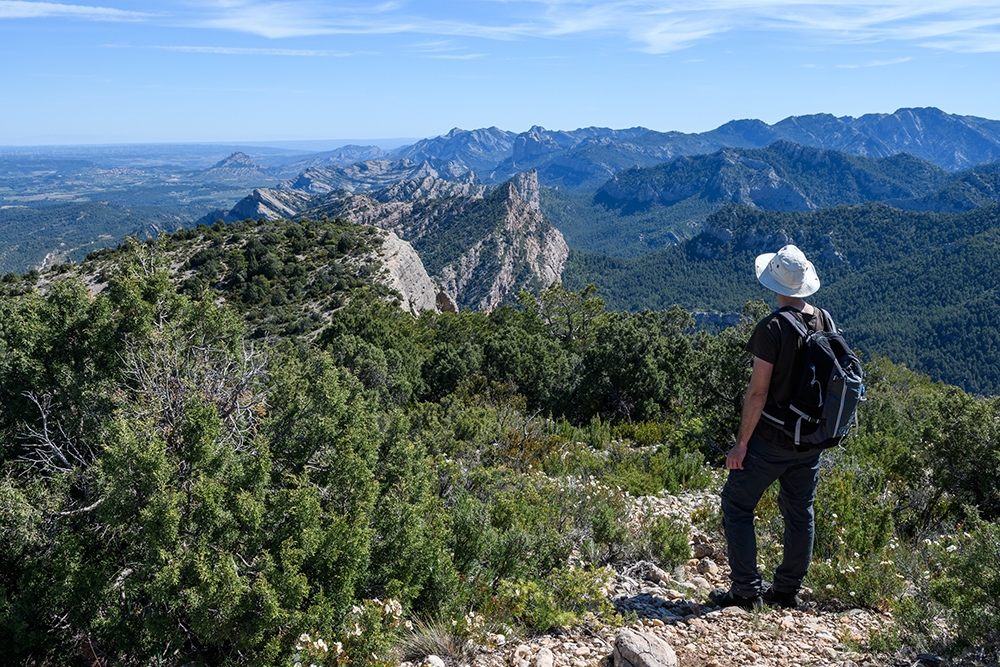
(481,245)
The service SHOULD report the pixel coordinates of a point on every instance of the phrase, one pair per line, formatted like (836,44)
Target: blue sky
(118,71)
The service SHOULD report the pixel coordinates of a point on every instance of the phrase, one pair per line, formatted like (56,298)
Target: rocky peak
(239,160)
(533,144)
(524,190)
(523,251)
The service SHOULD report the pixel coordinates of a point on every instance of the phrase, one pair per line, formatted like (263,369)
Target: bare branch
(88,508)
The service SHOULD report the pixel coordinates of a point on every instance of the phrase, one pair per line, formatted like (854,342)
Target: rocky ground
(674,607)
(702,635)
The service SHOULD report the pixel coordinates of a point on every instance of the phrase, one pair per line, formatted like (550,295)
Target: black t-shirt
(775,341)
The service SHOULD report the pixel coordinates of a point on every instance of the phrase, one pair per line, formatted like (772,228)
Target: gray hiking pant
(797,474)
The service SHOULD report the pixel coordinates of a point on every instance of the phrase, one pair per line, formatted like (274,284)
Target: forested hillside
(185,483)
(782,177)
(40,236)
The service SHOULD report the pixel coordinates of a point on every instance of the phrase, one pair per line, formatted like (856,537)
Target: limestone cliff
(370,175)
(405,273)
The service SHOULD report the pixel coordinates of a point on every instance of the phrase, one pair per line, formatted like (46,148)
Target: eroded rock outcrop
(482,249)
(481,246)
(269,204)
(521,252)
(406,274)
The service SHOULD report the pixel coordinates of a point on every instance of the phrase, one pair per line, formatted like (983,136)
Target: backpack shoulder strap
(795,322)
(829,318)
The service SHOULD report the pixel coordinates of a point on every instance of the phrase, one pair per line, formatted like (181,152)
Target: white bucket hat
(787,272)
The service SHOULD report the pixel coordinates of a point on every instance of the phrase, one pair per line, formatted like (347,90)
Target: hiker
(765,452)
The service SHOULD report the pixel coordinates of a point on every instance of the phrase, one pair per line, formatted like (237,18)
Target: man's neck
(794,302)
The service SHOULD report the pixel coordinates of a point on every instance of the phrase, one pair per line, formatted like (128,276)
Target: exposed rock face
(429,187)
(751,182)
(498,244)
(640,649)
(482,247)
(269,204)
(523,251)
(406,274)
(397,210)
(370,175)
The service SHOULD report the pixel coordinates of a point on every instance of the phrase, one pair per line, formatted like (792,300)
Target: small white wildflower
(852,593)
(829,587)
(304,638)
(952,548)
(927,542)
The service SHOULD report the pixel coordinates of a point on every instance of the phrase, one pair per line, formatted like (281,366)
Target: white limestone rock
(406,274)
(641,649)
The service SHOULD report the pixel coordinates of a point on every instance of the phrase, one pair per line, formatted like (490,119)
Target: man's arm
(753,405)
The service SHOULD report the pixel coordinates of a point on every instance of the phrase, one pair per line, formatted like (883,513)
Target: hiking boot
(724,598)
(781,599)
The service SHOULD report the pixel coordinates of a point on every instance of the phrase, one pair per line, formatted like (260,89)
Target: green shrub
(956,605)
(363,638)
(560,599)
(855,558)
(668,540)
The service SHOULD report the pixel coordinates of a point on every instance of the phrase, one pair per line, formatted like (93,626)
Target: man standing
(763,452)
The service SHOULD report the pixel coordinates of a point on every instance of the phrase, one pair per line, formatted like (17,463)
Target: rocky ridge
(782,177)
(370,175)
(481,245)
(585,157)
(268,204)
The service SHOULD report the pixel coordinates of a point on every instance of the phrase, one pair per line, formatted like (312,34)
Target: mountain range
(589,156)
(907,200)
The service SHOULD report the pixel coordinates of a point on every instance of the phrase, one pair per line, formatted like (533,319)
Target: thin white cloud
(661,26)
(878,63)
(17,9)
(653,26)
(240,51)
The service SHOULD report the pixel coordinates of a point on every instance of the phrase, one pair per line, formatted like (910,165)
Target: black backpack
(830,387)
